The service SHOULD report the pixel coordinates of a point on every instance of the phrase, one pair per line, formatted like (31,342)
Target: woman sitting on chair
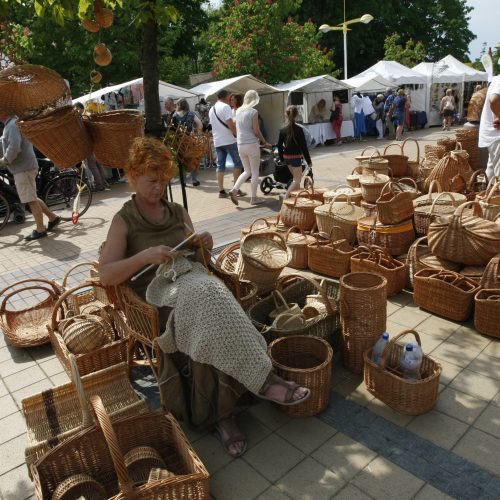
(205,322)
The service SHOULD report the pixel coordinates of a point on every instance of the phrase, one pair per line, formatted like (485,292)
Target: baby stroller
(277,173)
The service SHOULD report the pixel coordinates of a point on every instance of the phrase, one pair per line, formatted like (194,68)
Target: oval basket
(299,211)
(343,193)
(372,185)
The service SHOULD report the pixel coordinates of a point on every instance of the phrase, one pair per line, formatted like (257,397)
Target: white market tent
(313,89)
(165,90)
(370,83)
(272,100)
(468,74)
(398,74)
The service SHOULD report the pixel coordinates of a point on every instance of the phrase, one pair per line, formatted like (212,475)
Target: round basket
(85,333)
(113,133)
(79,486)
(139,462)
(342,193)
(29,88)
(448,143)
(60,135)
(376,164)
(364,156)
(443,204)
(352,180)
(434,151)
(363,311)
(299,211)
(314,192)
(398,163)
(297,242)
(307,361)
(372,185)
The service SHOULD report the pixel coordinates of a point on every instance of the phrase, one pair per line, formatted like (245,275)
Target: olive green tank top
(143,233)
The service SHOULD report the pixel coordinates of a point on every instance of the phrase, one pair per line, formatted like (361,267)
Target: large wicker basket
(487,312)
(394,205)
(491,274)
(398,163)
(372,185)
(112,133)
(331,258)
(59,413)
(307,361)
(363,314)
(26,308)
(297,242)
(60,135)
(344,193)
(299,211)
(384,381)
(99,452)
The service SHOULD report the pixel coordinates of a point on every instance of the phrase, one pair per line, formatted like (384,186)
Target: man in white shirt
(489,128)
(224,134)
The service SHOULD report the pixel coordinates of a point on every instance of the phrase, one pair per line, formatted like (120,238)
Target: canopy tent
(272,100)
(468,74)
(307,92)
(370,83)
(165,90)
(399,75)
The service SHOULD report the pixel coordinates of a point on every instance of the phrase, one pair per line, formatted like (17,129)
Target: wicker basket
(372,185)
(413,165)
(491,275)
(352,180)
(113,133)
(363,156)
(331,258)
(376,260)
(448,143)
(490,202)
(384,381)
(297,242)
(435,151)
(398,163)
(376,164)
(79,486)
(324,325)
(343,193)
(394,205)
(103,459)
(259,226)
(443,204)
(363,313)
(308,362)
(110,354)
(60,135)
(452,164)
(299,211)
(468,137)
(29,88)
(446,293)
(395,239)
(314,193)
(139,462)
(61,412)
(25,326)
(487,312)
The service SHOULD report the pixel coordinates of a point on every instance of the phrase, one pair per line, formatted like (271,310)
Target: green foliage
(409,55)
(15,42)
(254,36)
(495,56)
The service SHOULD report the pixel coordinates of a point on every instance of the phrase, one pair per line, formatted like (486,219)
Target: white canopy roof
(238,84)
(468,74)
(320,83)
(437,72)
(370,82)
(166,90)
(395,73)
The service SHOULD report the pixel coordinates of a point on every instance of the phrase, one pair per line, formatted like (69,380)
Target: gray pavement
(357,449)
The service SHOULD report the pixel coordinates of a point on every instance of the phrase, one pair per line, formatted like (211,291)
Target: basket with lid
(352,180)
(443,204)
(342,192)
(376,163)
(297,242)
(316,193)
(299,211)
(372,185)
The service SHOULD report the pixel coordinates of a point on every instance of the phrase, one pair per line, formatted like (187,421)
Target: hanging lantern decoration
(102,55)
(95,76)
(103,16)
(91,25)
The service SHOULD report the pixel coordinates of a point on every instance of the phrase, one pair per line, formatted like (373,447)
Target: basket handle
(408,180)
(460,209)
(341,229)
(321,290)
(394,144)
(80,391)
(230,248)
(115,451)
(300,195)
(369,147)
(348,201)
(418,147)
(375,152)
(6,298)
(308,181)
(301,231)
(53,284)
(473,178)
(344,186)
(383,357)
(433,183)
(493,189)
(70,270)
(356,170)
(442,195)
(250,229)
(279,295)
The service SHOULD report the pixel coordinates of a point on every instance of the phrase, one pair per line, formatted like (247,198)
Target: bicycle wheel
(61,192)
(4,211)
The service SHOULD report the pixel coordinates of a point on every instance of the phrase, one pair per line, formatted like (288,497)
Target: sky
(484,24)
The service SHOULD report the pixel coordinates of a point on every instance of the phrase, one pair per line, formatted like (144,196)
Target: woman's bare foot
(231,437)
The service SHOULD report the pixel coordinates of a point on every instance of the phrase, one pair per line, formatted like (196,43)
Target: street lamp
(324,28)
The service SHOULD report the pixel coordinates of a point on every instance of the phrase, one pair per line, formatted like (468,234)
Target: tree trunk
(150,74)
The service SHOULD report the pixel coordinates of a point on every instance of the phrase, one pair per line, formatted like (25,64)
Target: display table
(322,132)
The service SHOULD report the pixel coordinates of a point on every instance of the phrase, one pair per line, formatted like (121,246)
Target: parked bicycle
(66,192)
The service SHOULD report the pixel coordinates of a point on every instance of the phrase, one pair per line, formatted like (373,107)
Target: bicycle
(65,192)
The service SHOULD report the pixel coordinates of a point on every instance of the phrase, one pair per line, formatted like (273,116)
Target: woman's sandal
(227,439)
(291,387)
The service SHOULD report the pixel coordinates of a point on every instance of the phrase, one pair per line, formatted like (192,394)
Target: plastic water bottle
(379,347)
(410,362)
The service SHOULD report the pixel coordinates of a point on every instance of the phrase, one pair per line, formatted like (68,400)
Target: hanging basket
(60,135)
(113,133)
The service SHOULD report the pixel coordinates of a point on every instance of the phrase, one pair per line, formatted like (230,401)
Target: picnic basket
(363,312)
(394,205)
(371,186)
(446,293)
(112,133)
(398,163)
(99,452)
(56,414)
(297,242)
(384,381)
(113,352)
(491,275)
(60,135)
(487,312)
(308,362)
(296,288)
(343,193)
(299,211)
(443,204)
(375,260)
(315,192)
(377,164)
(24,326)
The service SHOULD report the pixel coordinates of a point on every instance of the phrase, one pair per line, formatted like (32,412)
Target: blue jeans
(223,151)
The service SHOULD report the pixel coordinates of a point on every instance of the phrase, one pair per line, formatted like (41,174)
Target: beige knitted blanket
(207,323)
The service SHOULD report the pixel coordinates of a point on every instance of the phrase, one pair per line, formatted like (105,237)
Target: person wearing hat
(378,106)
(249,137)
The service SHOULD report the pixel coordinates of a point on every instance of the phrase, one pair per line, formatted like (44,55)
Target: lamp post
(324,28)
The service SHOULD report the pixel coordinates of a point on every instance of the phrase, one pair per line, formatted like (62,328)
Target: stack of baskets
(468,138)
(487,300)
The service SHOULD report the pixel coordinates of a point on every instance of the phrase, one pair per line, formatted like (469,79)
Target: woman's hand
(204,240)
(158,255)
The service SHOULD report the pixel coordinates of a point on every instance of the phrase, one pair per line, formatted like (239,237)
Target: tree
(409,55)
(257,37)
(441,26)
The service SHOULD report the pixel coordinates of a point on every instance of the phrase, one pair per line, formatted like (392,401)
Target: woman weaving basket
(206,323)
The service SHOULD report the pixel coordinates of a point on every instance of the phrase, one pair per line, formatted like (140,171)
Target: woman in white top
(248,136)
